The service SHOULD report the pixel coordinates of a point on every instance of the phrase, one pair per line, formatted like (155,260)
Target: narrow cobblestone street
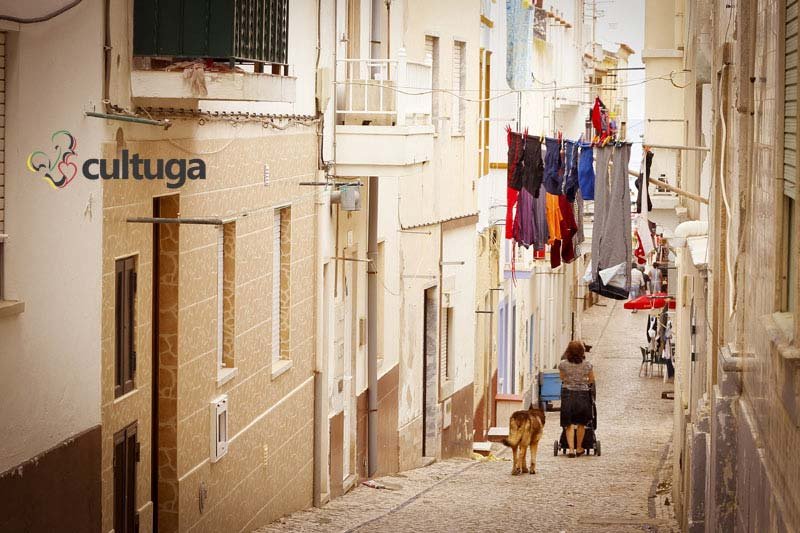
(626,489)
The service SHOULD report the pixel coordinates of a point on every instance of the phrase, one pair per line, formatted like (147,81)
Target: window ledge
(280,367)
(224,375)
(11,307)
(780,330)
(447,389)
(234,86)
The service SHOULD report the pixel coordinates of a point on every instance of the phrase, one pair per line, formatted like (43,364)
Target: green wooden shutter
(790,102)
(246,30)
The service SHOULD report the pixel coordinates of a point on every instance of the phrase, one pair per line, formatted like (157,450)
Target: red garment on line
(514,140)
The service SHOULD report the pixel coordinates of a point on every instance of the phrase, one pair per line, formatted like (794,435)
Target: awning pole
(677,147)
(671,188)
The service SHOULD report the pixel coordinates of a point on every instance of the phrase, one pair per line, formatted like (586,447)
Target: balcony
(383,114)
(237,85)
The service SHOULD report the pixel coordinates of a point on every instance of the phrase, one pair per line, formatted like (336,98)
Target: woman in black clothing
(576,400)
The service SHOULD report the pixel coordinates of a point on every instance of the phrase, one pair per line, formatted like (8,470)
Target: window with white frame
(459,84)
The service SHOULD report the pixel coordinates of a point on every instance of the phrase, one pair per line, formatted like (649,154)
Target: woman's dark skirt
(576,407)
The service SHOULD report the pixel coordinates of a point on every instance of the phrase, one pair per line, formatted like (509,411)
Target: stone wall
(754,374)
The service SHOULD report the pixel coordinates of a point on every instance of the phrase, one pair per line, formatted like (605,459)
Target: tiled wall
(268,468)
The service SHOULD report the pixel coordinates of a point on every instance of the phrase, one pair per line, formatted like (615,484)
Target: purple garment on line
(541,230)
(530,222)
(523,221)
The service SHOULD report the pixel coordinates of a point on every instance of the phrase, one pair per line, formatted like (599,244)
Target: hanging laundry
(645,234)
(638,252)
(600,119)
(541,233)
(514,140)
(611,238)
(586,171)
(562,229)
(519,28)
(644,178)
(529,170)
(568,229)
(570,182)
(530,221)
(554,226)
(577,208)
(553,166)
(524,225)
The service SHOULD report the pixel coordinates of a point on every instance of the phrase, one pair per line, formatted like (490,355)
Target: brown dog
(525,428)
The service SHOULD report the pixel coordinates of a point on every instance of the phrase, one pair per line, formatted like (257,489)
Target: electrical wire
(43,18)
(422,91)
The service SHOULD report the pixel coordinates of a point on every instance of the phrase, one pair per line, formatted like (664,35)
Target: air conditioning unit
(348,197)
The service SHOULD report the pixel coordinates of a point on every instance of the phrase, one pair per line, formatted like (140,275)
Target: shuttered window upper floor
(241,45)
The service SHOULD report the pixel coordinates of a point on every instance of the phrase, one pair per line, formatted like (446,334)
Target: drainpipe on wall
(321,429)
(372,327)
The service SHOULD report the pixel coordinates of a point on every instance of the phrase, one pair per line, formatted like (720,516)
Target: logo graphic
(58,170)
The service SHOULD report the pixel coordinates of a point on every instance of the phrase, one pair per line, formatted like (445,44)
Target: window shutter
(251,30)
(119,351)
(119,481)
(458,87)
(124,325)
(790,101)
(130,479)
(432,49)
(126,457)
(445,341)
(276,286)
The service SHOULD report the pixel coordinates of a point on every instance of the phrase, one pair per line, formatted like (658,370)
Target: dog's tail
(514,435)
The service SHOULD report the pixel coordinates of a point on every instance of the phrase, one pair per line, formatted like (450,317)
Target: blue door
(512,368)
(502,329)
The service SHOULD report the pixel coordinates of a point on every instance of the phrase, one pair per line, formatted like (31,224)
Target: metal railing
(397,89)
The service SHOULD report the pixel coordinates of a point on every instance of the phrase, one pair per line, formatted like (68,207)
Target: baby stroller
(590,441)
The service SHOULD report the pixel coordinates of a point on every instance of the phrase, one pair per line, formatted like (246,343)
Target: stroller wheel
(555,448)
(597,448)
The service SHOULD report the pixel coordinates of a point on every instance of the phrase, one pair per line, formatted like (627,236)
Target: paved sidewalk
(623,490)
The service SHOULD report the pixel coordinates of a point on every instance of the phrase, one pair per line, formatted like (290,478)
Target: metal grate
(238,30)
(261,30)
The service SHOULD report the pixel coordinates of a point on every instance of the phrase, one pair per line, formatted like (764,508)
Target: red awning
(650,301)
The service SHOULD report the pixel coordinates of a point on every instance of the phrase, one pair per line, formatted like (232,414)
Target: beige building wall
(268,468)
(488,264)
(446,186)
(260,398)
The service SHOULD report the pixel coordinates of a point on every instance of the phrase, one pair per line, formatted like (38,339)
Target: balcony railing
(384,92)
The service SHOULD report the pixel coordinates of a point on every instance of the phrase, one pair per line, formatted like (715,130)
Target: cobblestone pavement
(626,489)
